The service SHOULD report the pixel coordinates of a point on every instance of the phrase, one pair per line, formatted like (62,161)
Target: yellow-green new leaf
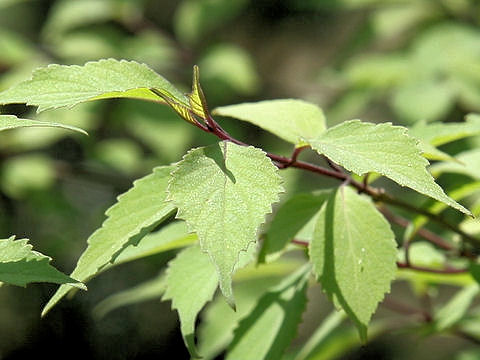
(8,122)
(383,148)
(20,265)
(55,86)
(140,208)
(354,254)
(292,120)
(224,191)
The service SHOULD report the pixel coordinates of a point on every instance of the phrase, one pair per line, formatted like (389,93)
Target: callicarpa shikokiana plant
(221,194)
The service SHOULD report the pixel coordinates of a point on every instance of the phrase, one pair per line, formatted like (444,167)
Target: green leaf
(451,313)
(383,148)
(224,191)
(439,133)
(172,236)
(191,282)
(290,218)
(55,86)
(468,164)
(219,321)
(319,337)
(268,330)
(436,207)
(290,119)
(140,208)
(426,99)
(353,252)
(339,341)
(12,122)
(148,290)
(20,265)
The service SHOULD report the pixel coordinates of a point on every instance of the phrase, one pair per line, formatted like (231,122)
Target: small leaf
(141,207)
(270,327)
(196,98)
(12,122)
(365,147)
(290,119)
(353,252)
(148,290)
(455,309)
(58,85)
(191,282)
(20,265)
(224,191)
(290,218)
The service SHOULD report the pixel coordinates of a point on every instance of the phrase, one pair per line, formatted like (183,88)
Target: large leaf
(20,265)
(270,327)
(191,282)
(290,218)
(140,208)
(224,191)
(55,86)
(383,148)
(12,122)
(353,252)
(290,119)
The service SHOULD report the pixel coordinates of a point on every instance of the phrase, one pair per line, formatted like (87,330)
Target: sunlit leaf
(290,119)
(224,191)
(383,148)
(55,86)
(354,253)
(20,265)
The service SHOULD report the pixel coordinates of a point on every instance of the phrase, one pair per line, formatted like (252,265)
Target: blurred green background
(394,60)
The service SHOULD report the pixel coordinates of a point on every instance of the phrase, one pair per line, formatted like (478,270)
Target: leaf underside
(56,86)
(8,122)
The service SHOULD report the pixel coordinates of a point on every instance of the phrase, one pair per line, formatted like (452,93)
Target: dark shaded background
(54,189)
